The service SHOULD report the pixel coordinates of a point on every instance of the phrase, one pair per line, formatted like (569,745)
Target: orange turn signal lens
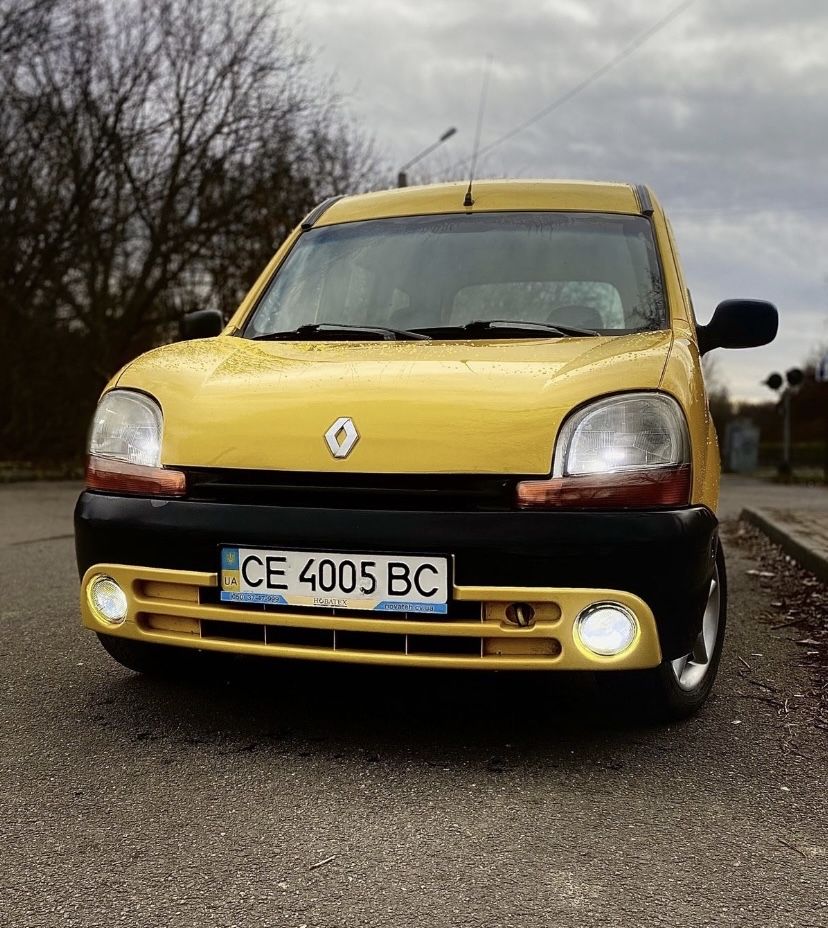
(636,488)
(119,477)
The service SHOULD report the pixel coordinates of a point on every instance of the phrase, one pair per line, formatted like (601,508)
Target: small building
(741,446)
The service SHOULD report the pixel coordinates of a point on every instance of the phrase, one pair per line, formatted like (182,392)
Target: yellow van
(442,430)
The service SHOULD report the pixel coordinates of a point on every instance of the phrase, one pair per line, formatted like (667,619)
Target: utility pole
(794,378)
(785,469)
(821,377)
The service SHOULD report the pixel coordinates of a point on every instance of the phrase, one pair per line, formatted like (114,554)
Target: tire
(677,689)
(155,660)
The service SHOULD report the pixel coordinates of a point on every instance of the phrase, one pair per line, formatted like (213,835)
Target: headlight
(125,448)
(127,427)
(620,432)
(626,451)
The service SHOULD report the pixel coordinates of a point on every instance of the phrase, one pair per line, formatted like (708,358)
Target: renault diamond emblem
(341,437)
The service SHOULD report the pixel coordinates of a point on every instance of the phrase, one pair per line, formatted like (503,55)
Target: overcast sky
(723,113)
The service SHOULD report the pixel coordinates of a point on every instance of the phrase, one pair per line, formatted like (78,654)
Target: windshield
(584,270)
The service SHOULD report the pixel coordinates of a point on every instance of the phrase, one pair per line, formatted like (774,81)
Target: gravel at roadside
(798,611)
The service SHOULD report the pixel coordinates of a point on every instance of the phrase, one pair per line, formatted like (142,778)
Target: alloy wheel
(692,668)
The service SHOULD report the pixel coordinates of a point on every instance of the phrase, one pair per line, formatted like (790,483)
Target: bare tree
(20,23)
(152,155)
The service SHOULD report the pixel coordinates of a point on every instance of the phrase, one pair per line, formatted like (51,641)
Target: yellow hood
(419,407)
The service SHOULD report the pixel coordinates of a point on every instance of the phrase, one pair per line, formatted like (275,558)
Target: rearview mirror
(739,324)
(203,323)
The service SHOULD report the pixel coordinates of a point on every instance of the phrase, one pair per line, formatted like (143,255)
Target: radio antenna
(484,91)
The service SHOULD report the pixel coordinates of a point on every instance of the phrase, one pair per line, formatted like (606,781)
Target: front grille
(365,642)
(421,492)
(184,607)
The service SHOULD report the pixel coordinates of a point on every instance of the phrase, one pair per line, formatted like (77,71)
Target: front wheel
(678,688)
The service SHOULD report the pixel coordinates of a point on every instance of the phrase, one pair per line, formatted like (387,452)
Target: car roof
(488,195)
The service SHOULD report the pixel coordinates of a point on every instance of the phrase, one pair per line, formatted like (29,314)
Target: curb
(789,541)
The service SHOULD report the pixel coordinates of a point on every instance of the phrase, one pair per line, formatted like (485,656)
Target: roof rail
(644,201)
(309,220)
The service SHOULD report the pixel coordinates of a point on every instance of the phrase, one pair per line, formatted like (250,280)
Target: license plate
(376,582)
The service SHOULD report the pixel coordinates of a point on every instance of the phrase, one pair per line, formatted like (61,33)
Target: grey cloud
(723,113)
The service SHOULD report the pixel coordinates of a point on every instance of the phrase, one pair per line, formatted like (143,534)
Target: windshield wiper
(481,326)
(308,331)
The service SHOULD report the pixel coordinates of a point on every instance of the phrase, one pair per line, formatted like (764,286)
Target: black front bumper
(665,557)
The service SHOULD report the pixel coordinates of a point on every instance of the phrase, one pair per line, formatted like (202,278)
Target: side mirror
(203,323)
(739,324)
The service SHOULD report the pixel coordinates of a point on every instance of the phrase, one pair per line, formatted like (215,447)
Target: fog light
(606,628)
(108,599)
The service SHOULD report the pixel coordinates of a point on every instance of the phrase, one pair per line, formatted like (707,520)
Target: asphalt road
(319,796)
